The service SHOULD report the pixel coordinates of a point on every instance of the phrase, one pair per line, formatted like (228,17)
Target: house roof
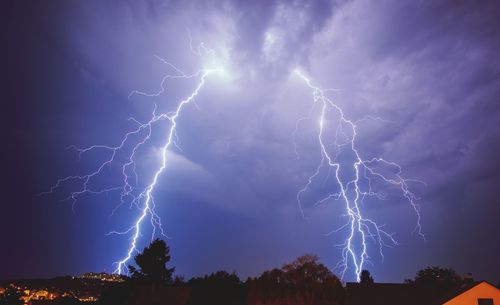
(459,291)
(397,294)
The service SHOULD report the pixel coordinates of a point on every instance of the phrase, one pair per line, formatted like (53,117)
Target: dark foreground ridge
(304,281)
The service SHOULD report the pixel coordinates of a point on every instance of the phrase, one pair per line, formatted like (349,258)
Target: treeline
(305,281)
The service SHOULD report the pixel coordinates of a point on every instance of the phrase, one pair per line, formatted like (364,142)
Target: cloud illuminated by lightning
(130,145)
(351,190)
(349,177)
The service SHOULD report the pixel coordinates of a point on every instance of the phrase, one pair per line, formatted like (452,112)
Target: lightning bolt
(351,190)
(125,154)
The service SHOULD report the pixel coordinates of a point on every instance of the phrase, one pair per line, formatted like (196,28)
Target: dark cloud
(429,69)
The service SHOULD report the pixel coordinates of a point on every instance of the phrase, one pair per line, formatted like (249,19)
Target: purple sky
(430,69)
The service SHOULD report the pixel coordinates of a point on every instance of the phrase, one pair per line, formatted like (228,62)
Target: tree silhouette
(305,281)
(435,281)
(219,288)
(366,278)
(152,263)
(437,276)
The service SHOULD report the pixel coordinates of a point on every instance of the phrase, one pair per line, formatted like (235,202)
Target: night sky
(429,69)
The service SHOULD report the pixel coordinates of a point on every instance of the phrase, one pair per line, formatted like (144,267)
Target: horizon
(82,275)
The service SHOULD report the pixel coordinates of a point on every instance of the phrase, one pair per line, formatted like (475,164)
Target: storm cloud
(429,69)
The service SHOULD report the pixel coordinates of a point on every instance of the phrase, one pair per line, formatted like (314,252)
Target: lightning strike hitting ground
(351,191)
(129,189)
